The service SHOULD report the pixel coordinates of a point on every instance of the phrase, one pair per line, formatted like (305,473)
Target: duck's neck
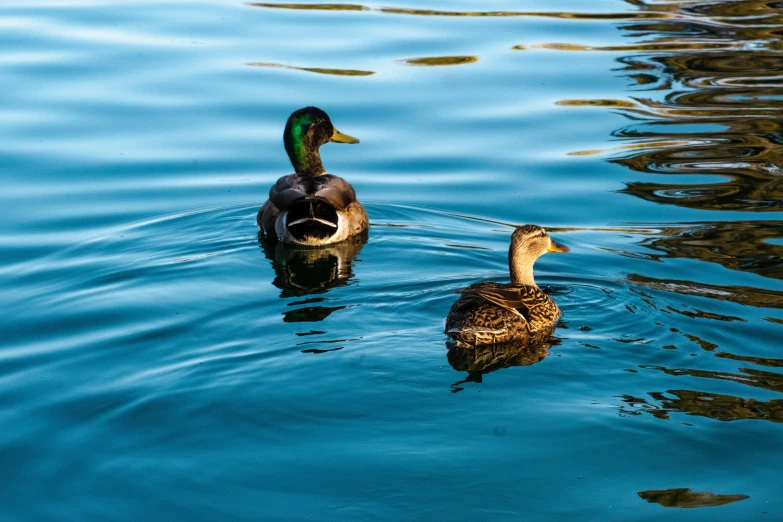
(521,269)
(304,155)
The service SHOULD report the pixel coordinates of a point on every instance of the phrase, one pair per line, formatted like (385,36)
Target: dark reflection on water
(746,295)
(756,378)
(723,110)
(482,360)
(685,498)
(301,271)
(310,314)
(703,404)
(738,245)
(761,361)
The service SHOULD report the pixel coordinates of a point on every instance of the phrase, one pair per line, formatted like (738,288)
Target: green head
(306,130)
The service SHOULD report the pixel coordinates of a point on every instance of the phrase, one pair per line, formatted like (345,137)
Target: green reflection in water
(318,70)
(440,60)
(685,498)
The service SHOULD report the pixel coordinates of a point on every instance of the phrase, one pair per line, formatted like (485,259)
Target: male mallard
(311,207)
(490,313)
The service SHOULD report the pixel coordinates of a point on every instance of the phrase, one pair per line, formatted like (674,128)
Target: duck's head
(528,243)
(306,130)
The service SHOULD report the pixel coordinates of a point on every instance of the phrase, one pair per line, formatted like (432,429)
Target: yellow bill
(339,137)
(554,246)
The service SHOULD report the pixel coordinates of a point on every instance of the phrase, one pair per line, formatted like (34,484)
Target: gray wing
(288,190)
(331,189)
(334,190)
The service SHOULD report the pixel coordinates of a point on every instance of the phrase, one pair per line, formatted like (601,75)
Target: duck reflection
(301,271)
(478,361)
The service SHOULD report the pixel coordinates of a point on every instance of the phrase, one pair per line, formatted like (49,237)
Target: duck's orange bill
(557,247)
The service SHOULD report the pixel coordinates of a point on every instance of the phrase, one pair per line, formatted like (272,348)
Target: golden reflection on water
(714,106)
(314,7)
(673,46)
(722,112)
(318,70)
(707,100)
(434,12)
(596,103)
(440,60)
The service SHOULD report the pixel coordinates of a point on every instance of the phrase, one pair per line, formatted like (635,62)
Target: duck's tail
(312,219)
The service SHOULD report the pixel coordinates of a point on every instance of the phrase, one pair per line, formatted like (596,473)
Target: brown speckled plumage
(492,313)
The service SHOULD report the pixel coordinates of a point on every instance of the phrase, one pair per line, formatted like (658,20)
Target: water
(158,362)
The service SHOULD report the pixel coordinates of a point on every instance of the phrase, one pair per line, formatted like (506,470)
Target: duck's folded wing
(518,299)
(334,190)
(288,190)
(331,189)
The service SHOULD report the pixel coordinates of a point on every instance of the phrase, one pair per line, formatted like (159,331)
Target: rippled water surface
(159,362)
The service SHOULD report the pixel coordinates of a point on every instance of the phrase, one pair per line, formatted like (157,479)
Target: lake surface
(159,362)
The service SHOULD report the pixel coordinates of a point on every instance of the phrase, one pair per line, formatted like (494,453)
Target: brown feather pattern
(491,313)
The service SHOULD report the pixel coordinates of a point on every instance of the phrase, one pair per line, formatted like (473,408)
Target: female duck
(311,207)
(490,313)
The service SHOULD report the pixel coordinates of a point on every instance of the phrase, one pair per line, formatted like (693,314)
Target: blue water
(159,362)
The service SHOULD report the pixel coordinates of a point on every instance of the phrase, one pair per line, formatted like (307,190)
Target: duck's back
(328,188)
(317,202)
(490,313)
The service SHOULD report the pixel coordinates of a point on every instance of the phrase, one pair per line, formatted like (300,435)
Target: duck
(492,313)
(311,207)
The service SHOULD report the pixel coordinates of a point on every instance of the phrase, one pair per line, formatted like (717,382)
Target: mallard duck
(311,207)
(491,313)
